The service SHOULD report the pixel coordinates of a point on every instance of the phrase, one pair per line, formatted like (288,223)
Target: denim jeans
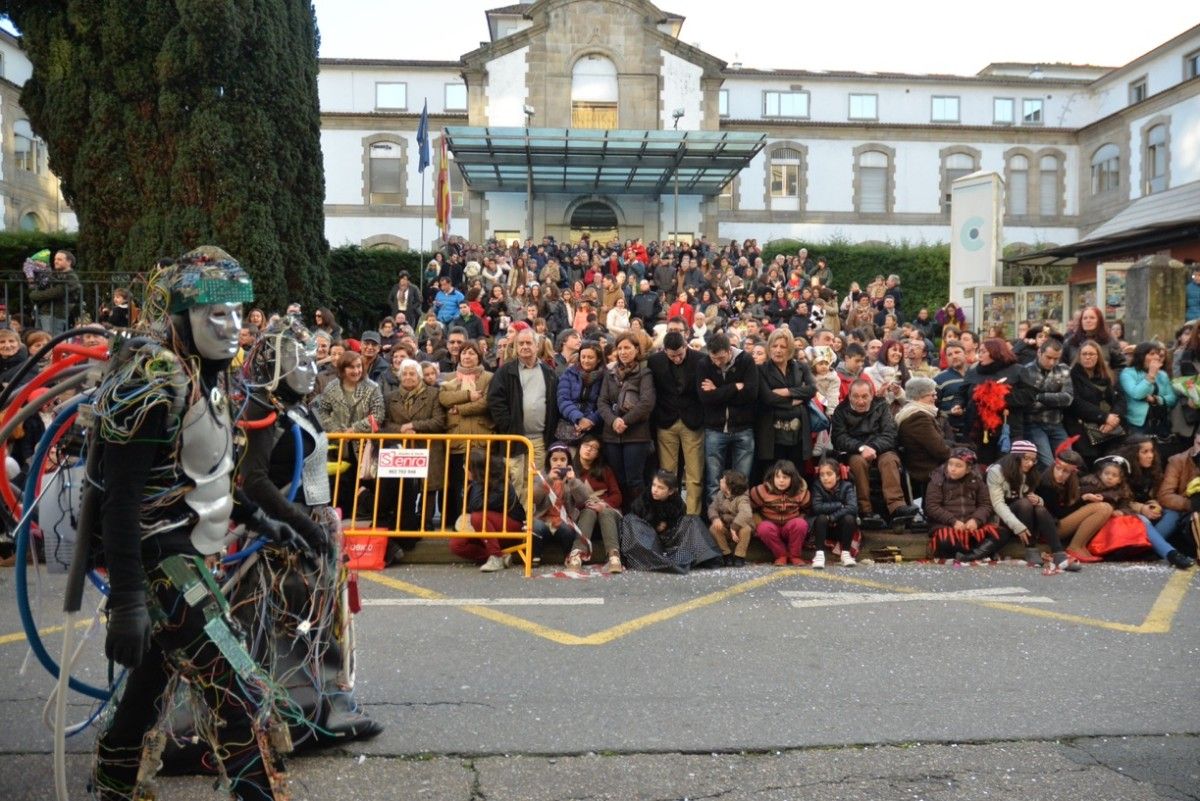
(1047,437)
(1170,522)
(735,448)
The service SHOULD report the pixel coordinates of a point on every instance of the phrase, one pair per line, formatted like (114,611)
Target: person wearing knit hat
(1012,482)
(958,507)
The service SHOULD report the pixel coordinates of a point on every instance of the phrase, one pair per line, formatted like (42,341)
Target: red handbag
(1123,535)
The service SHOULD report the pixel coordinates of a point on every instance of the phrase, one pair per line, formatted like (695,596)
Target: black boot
(982,551)
(1180,560)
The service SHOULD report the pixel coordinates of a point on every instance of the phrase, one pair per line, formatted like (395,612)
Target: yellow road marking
(600,637)
(1158,620)
(19,636)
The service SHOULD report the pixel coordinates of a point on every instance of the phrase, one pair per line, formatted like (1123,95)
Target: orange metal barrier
(415,456)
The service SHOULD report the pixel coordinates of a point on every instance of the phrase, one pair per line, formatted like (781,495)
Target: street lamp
(676,114)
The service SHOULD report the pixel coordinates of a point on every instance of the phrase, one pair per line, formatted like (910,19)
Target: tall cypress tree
(175,123)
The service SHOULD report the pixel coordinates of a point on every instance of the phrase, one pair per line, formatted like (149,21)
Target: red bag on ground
(1123,535)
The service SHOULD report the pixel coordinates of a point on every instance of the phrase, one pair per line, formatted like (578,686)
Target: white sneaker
(575,560)
(493,564)
(614,564)
(818,562)
(848,559)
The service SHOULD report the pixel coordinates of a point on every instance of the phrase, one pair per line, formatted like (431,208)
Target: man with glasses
(678,417)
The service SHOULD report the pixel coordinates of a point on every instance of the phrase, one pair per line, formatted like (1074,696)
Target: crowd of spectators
(756,397)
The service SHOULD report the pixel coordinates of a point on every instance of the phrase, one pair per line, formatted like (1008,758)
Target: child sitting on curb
(781,500)
(731,518)
(835,511)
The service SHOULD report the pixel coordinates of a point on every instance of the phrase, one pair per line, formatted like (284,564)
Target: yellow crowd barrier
(404,477)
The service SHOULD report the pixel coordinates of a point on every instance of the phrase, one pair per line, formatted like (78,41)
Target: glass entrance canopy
(610,161)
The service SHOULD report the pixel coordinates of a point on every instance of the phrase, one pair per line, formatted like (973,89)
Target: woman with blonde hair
(784,389)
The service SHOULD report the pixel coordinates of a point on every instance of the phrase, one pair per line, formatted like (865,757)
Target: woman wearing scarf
(627,397)
(464,397)
(922,440)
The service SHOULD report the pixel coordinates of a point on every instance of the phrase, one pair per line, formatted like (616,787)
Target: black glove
(314,534)
(280,533)
(128,638)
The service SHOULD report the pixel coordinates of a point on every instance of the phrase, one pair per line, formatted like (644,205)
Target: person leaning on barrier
(351,404)
(412,409)
(464,397)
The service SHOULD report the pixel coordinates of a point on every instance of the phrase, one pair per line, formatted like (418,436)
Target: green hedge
(924,270)
(361,279)
(16,246)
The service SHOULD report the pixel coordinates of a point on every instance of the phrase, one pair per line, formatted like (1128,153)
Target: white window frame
(1049,196)
(377,195)
(1139,90)
(722,102)
(880,171)
(1191,65)
(1098,170)
(1012,111)
(874,98)
(778,98)
(446,97)
(1012,184)
(1041,111)
(1150,161)
(381,84)
(933,103)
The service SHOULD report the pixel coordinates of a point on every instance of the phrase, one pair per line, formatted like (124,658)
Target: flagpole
(421,266)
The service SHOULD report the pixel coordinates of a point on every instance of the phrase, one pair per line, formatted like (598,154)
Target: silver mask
(215,329)
(298,367)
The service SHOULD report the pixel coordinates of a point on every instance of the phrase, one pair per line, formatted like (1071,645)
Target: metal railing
(407,459)
(90,298)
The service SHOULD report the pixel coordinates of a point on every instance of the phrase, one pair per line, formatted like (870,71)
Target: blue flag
(423,139)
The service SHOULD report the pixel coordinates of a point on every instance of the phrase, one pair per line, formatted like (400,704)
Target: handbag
(368,465)
(566,432)
(1095,436)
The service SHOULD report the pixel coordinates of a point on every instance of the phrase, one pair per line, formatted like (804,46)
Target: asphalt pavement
(755,683)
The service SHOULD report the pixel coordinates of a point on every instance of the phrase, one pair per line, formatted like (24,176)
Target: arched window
(1018,186)
(594,93)
(1106,169)
(785,172)
(1154,163)
(955,164)
(25,150)
(873,169)
(30,222)
(385,172)
(1049,183)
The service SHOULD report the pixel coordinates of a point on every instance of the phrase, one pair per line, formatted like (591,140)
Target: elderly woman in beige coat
(412,408)
(464,397)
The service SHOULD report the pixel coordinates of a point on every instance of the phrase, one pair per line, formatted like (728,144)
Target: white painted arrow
(1012,595)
